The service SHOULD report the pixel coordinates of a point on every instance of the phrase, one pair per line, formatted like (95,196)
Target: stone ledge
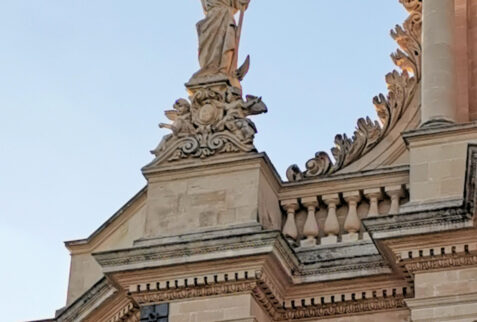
(438,132)
(87,302)
(201,234)
(205,249)
(438,301)
(414,223)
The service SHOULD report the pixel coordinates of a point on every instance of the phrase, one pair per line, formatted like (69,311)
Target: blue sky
(83,85)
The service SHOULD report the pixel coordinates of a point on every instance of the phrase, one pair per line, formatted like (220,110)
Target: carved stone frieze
(401,85)
(344,308)
(129,313)
(194,292)
(262,288)
(439,262)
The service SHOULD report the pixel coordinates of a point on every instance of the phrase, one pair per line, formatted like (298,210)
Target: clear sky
(83,85)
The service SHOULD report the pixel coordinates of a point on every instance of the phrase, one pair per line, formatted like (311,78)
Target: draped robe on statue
(218,38)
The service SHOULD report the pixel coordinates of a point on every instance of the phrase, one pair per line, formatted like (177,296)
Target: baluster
(310,230)
(373,195)
(352,224)
(395,193)
(332,227)
(289,229)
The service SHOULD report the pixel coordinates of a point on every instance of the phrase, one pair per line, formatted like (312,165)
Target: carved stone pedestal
(207,195)
(350,237)
(329,240)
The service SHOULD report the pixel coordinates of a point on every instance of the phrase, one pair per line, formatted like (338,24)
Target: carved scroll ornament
(401,85)
(214,121)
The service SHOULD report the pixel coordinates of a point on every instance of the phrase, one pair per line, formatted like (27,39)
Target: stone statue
(181,118)
(215,118)
(219,37)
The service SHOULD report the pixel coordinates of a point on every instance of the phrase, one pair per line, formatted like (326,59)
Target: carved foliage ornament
(401,88)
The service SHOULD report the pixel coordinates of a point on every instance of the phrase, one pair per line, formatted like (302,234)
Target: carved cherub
(181,126)
(236,111)
(181,118)
(236,105)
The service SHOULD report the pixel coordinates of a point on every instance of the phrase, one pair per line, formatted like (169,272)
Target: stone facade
(382,229)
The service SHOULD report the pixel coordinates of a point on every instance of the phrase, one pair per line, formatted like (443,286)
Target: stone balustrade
(336,217)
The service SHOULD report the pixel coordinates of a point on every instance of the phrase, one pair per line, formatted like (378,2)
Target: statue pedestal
(220,82)
(203,195)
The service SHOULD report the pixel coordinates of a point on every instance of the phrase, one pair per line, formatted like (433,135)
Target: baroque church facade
(381,228)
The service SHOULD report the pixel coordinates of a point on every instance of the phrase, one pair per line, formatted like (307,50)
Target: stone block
(308,242)
(351,237)
(182,203)
(329,240)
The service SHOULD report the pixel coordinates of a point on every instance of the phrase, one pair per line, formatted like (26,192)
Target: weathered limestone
(289,229)
(228,192)
(396,193)
(332,227)
(374,195)
(238,308)
(122,230)
(352,224)
(310,229)
(219,38)
(217,236)
(449,295)
(438,63)
(438,162)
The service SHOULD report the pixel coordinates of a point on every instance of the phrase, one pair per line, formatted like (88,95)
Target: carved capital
(290,205)
(310,202)
(352,196)
(331,199)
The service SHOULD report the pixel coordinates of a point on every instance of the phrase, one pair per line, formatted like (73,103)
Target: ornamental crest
(214,120)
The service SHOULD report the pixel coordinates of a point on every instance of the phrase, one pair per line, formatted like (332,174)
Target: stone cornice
(85,304)
(353,181)
(344,260)
(431,263)
(434,135)
(249,244)
(345,308)
(265,292)
(238,287)
(322,263)
(109,226)
(408,224)
(212,164)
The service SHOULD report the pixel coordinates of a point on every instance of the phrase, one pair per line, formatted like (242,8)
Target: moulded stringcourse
(401,89)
